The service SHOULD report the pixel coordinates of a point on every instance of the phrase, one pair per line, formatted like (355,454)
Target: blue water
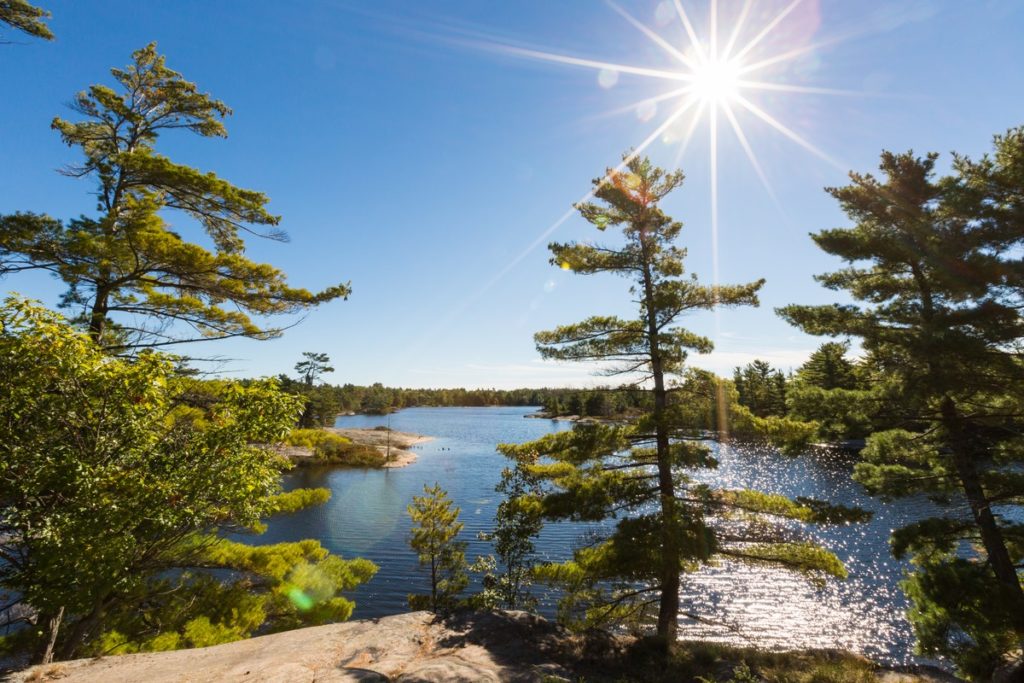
(739,604)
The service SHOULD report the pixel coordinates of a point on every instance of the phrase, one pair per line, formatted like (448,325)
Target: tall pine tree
(935,267)
(137,281)
(637,473)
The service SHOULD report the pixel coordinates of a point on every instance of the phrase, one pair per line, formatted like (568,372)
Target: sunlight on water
(779,609)
(738,604)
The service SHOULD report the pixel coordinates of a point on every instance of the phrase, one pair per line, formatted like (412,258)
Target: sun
(716,81)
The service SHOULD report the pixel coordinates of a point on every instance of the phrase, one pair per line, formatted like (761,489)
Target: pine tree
(761,389)
(637,473)
(126,261)
(829,368)
(433,537)
(935,267)
(835,394)
(312,366)
(26,18)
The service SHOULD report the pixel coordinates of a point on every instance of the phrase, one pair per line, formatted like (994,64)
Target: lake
(366,517)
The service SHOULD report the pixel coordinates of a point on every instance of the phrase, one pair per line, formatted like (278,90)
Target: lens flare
(301,601)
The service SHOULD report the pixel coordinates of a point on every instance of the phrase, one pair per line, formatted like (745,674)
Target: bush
(312,438)
(340,451)
(331,448)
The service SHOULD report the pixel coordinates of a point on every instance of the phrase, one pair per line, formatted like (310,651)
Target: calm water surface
(771,608)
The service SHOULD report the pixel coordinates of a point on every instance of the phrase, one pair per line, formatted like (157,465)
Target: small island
(378,447)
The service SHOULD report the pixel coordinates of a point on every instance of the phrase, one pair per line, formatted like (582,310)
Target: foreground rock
(470,646)
(406,647)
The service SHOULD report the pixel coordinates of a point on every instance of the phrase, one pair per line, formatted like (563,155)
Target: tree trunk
(433,582)
(98,316)
(54,627)
(991,536)
(668,607)
(76,636)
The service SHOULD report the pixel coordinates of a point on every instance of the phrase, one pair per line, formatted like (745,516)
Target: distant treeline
(765,391)
(325,401)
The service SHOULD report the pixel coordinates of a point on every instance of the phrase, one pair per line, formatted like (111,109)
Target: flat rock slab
(414,647)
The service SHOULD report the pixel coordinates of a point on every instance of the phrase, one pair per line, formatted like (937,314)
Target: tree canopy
(118,479)
(29,19)
(312,366)
(761,388)
(934,265)
(434,537)
(137,281)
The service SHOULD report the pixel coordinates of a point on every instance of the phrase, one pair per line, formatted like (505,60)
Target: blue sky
(410,151)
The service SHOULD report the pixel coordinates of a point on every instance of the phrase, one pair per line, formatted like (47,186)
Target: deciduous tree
(117,479)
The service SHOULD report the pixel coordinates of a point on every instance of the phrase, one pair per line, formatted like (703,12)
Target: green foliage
(115,479)
(335,449)
(761,389)
(518,521)
(830,391)
(21,16)
(273,588)
(433,537)
(342,452)
(747,501)
(127,262)
(900,463)
(829,368)
(297,499)
(637,473)
(321,407)
(956,611)
(312,438)
(312,366)
(838,414)
(934,267)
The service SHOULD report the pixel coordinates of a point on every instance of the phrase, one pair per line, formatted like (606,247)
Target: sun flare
(716,78)
(716,81)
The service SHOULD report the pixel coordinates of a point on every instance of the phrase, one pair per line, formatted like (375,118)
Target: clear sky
(425,149)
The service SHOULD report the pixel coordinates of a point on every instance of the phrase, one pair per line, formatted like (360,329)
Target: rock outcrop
(414,647)
(484,647)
